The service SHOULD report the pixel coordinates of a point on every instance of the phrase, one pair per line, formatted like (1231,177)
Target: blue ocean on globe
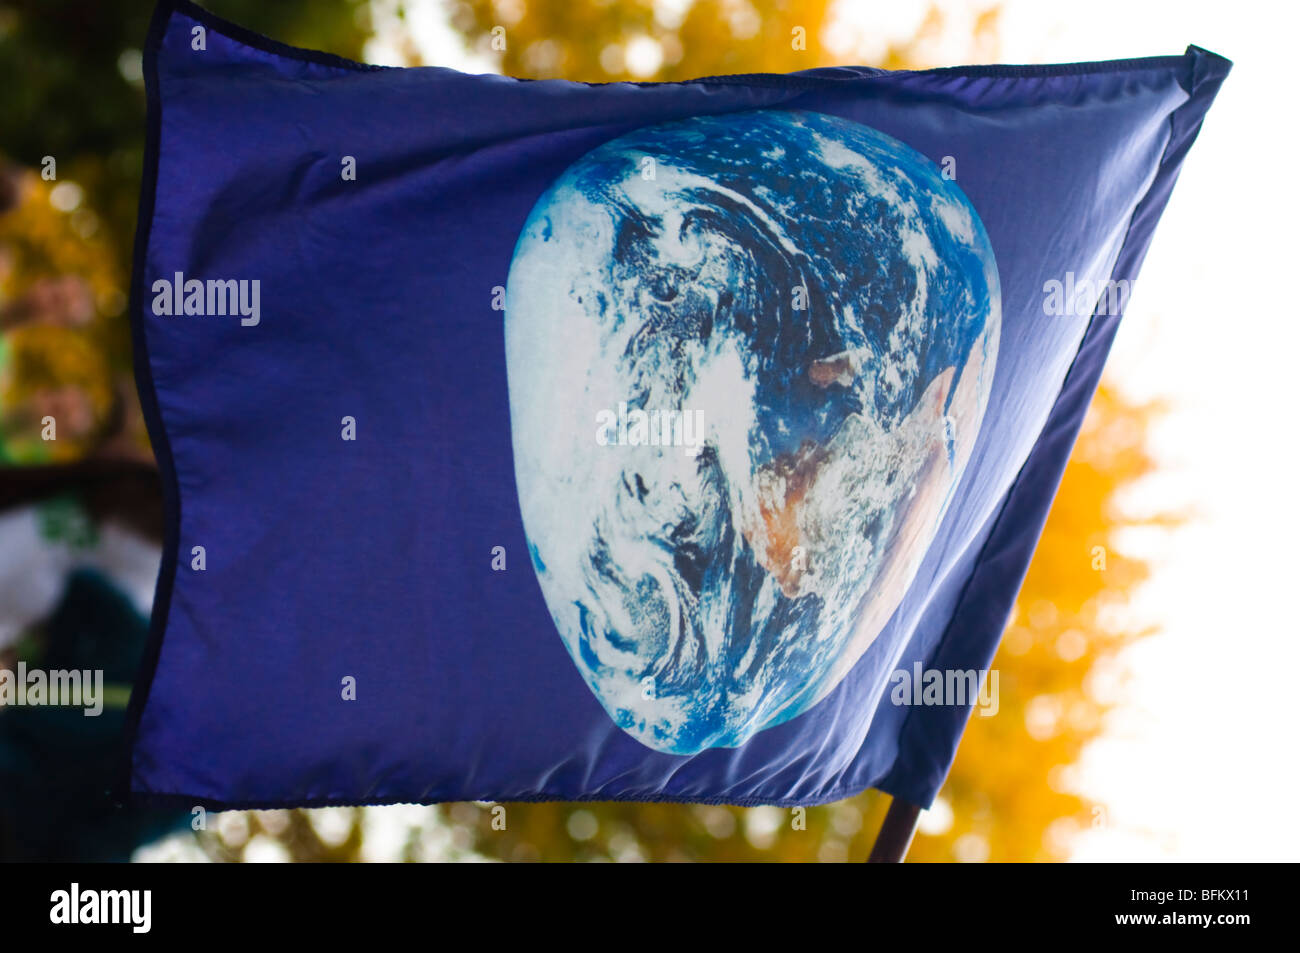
(748,357)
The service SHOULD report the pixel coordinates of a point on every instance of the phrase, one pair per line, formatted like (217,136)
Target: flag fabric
(529,440)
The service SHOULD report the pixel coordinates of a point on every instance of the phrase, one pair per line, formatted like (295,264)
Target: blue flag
(546,440)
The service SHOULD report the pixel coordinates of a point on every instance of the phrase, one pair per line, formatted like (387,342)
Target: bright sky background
(1200,762)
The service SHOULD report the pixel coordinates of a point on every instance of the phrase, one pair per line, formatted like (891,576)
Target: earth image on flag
(748,358)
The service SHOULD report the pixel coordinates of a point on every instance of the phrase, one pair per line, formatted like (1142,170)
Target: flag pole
(895,834)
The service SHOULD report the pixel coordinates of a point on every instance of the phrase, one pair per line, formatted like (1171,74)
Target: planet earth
(748,357)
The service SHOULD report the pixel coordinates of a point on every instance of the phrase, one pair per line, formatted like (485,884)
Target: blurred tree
(74,89)
(74,112)
(669,40)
